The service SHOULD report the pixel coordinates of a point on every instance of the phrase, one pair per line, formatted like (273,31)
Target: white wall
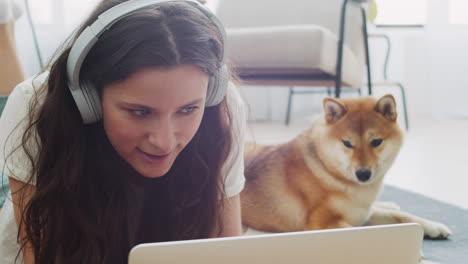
(432,62)
(54,21)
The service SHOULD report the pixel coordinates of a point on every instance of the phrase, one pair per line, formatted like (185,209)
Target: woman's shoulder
(13,124)
(18,102)
(30,86)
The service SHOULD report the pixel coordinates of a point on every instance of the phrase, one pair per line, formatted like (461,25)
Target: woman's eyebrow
(194,102)
(135,105)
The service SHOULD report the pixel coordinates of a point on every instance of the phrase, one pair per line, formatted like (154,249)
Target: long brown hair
(90,206)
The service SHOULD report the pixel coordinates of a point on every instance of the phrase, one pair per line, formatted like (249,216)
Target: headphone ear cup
(88,102)
(94,101)
(217,87)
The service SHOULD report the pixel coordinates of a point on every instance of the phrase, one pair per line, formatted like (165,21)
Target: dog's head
(360,138)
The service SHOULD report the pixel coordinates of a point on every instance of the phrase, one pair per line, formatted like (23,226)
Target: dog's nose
(363,175)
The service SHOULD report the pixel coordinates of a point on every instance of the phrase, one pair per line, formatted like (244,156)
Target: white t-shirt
(13,124)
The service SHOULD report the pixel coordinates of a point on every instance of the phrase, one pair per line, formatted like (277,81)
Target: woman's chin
(154,174)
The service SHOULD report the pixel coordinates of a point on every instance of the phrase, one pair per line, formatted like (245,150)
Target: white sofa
(294,39)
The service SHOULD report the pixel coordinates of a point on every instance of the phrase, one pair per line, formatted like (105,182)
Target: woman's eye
(139,112)
(188,110)
(376,142)
(347,144)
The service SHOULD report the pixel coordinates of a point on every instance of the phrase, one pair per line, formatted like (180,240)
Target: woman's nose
(162,135)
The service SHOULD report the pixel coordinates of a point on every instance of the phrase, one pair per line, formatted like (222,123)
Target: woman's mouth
(153,157)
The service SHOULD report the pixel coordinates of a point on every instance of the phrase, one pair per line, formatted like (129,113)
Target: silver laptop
(389,244)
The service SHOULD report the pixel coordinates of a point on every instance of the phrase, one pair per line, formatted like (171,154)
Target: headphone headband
(85,96)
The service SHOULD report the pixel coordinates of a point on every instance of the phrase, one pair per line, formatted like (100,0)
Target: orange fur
(330,175)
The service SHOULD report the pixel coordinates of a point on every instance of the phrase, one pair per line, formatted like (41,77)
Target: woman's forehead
(170,87)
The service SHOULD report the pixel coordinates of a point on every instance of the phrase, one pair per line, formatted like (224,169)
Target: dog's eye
(376,142)
(347,144)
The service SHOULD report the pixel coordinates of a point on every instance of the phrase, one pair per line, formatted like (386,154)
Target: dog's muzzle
(363,175)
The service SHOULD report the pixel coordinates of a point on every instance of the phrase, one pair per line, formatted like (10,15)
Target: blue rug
(451,251)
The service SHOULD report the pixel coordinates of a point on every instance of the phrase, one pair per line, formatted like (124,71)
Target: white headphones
(85,94)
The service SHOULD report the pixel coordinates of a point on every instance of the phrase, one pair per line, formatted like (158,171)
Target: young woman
(159,165)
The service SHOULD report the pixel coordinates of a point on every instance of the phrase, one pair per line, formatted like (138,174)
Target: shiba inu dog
(330,175)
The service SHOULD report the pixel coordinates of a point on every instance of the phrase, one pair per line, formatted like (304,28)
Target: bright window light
(76,11)
(458,10)
(401,12)
(41,11)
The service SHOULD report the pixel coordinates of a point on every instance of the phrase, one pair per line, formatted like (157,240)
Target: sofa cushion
(295,48)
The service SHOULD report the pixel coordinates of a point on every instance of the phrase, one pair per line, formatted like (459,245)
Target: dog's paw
(436,230)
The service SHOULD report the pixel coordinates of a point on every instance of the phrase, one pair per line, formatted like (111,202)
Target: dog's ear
(387,107)
(333,109)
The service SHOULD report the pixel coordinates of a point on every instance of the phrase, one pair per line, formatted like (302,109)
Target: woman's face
(153,114)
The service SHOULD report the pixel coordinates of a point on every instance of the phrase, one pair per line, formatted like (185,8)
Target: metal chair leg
(405,110)
(366,49)
(288,112)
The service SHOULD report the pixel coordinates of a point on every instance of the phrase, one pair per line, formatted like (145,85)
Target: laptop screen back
(387,244)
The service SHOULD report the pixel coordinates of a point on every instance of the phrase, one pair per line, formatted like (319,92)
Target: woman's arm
(231,217)
(19,188)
